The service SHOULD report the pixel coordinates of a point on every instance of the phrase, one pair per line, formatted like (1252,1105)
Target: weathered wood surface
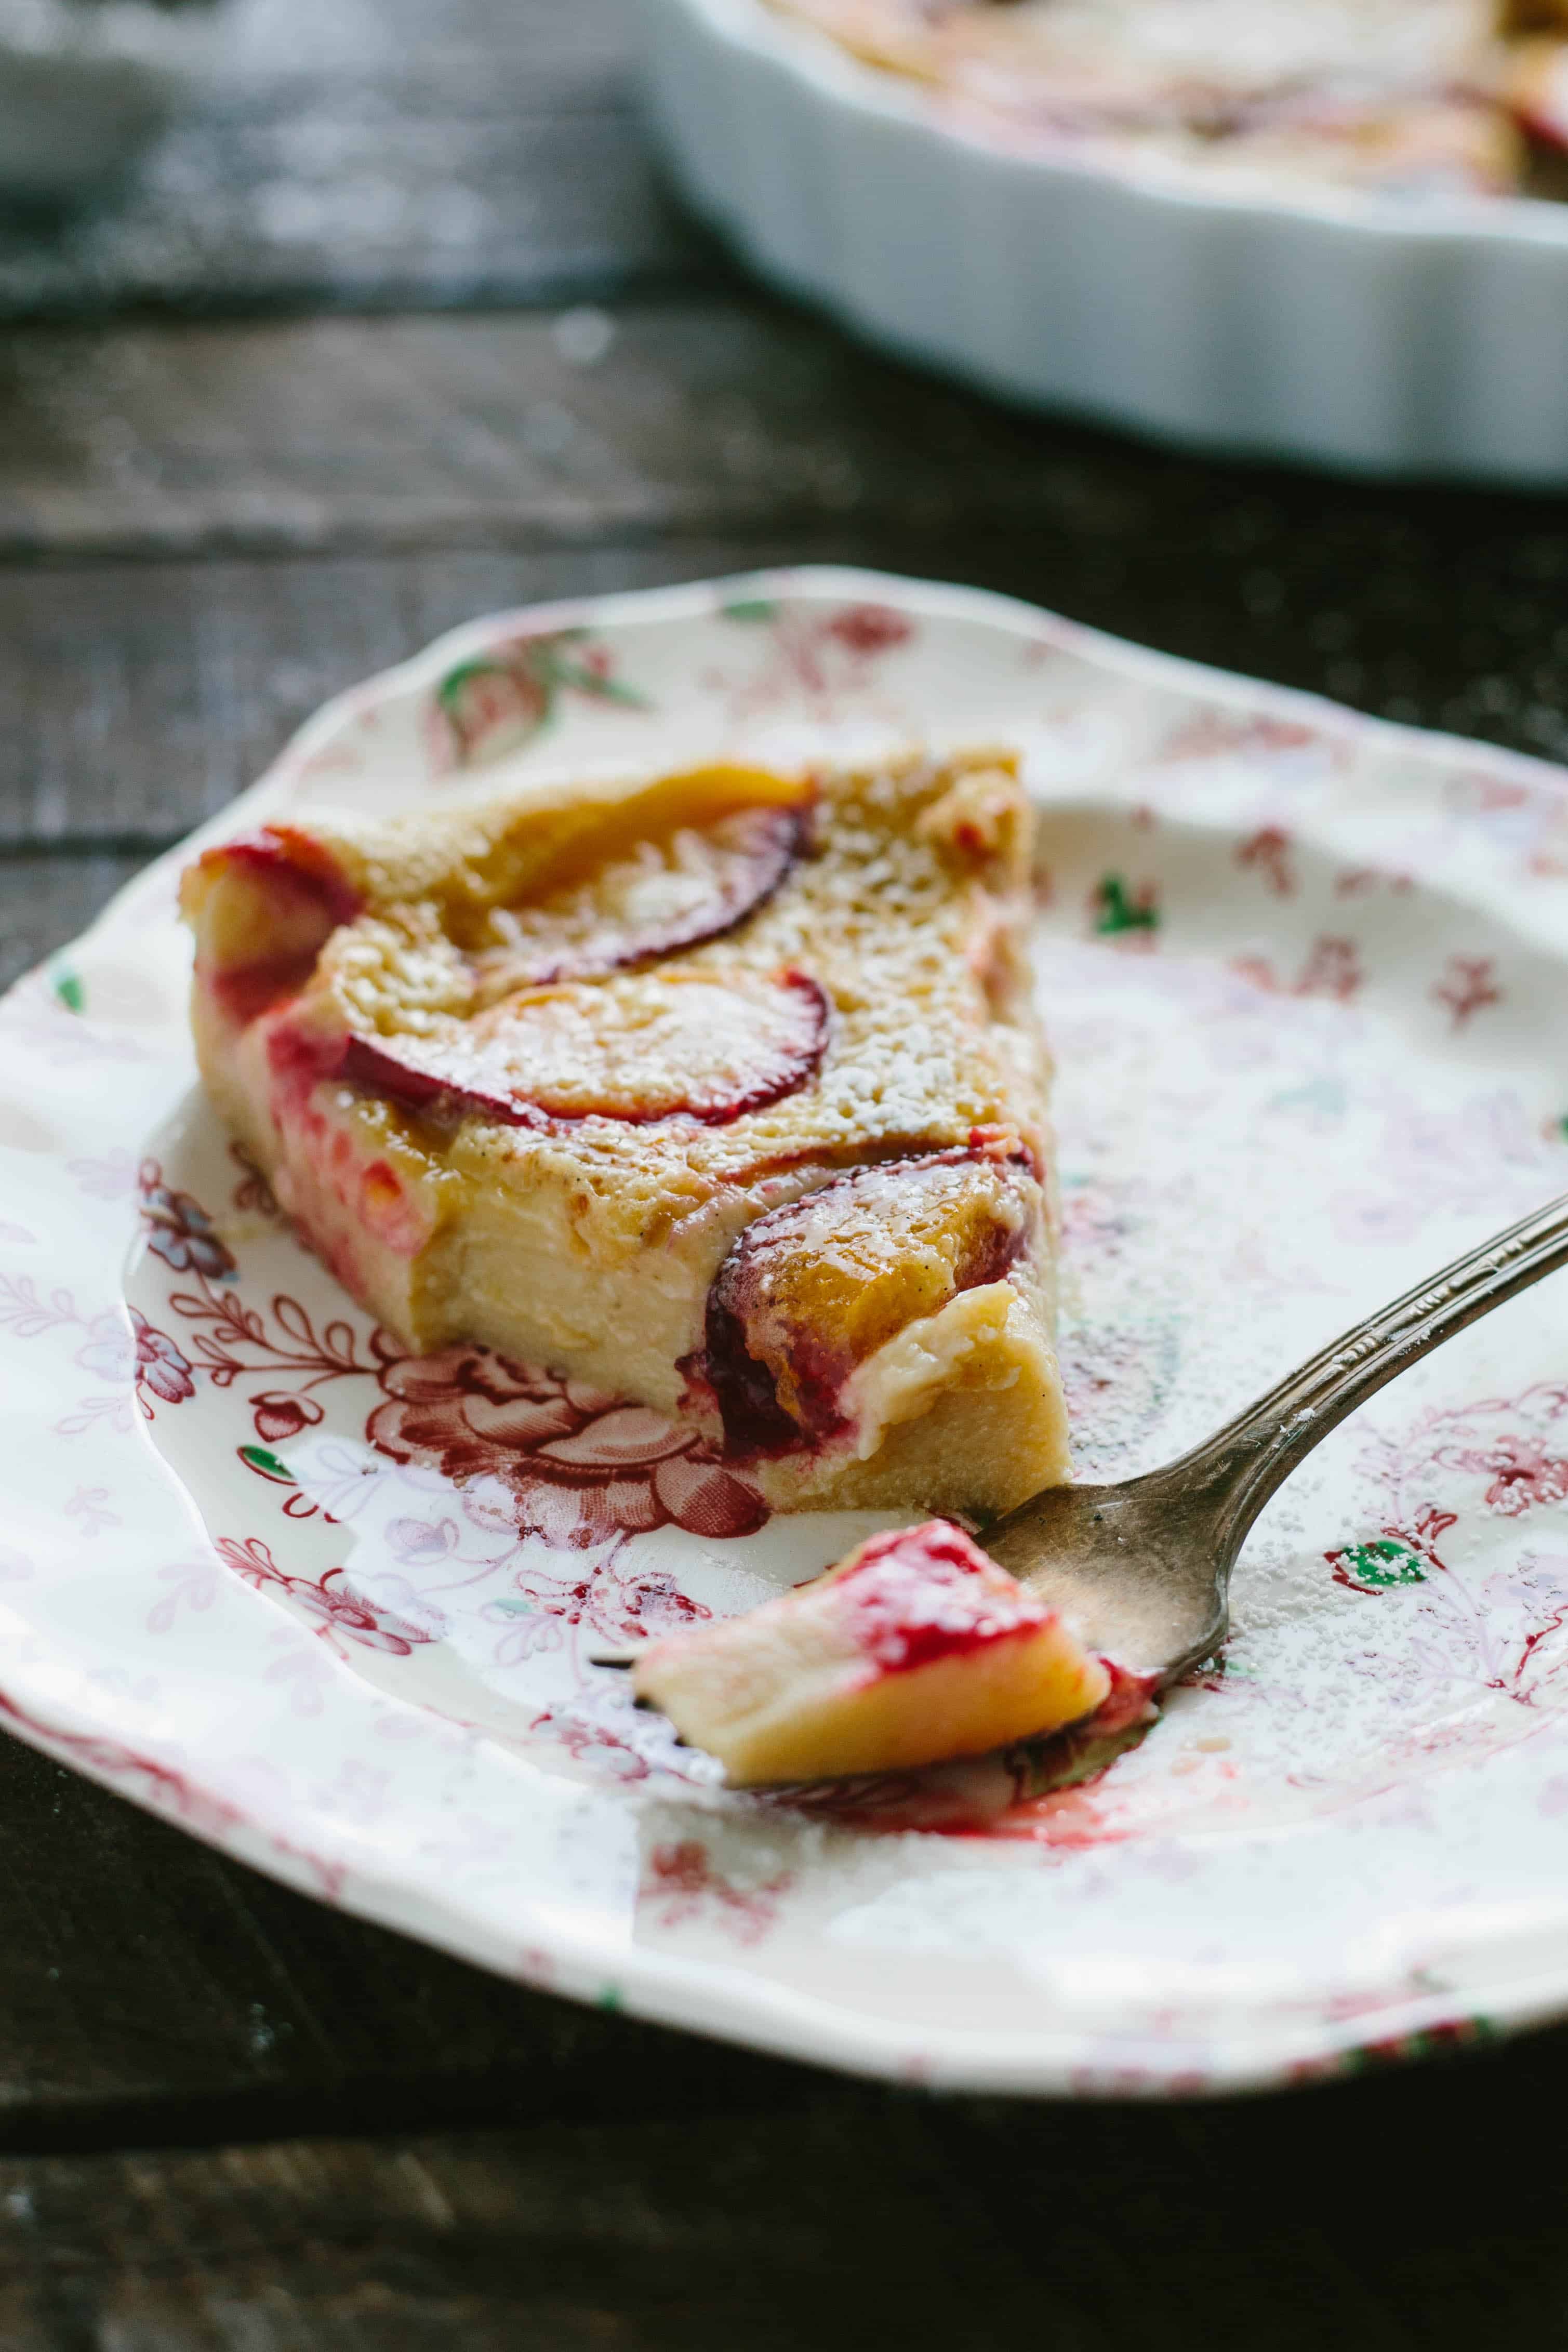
(1416,2215)
(528,431)
(44,901)
(152,1991)
(382,153)
(204,531)
(140,699)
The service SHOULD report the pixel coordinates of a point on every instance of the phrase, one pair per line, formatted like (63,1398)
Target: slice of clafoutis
(914,1650)
(721,1092)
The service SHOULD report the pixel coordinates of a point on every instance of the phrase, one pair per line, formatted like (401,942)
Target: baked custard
(720,1091)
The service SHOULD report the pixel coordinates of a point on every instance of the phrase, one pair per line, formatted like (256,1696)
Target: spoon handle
(1243,1463)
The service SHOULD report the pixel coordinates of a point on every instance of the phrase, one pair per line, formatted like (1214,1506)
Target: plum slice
(812,1289)
(706,1045)
(266,906)
(915,1649)
(667,889)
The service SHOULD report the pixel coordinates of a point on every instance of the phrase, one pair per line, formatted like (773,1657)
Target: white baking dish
(1386,333)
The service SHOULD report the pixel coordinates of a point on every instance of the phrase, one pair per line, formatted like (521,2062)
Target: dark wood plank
(46,900)
(1339,2215)
(140,697)
(308,502)
(836,2228)
(525,431)
(152,1991)
(861,2220)
(381,154)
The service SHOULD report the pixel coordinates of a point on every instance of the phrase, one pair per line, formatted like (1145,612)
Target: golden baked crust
(528,1073)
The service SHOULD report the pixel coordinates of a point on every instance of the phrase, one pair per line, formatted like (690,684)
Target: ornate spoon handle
(1243,1463)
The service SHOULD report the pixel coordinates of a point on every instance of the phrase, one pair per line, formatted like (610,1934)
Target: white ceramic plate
(1308,978)
(1423,335)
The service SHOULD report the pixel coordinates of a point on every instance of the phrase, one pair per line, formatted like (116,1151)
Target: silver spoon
(1141,1571)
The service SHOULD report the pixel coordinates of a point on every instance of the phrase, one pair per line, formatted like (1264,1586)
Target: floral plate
(331,1607)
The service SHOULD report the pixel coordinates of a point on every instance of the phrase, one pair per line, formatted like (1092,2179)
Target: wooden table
(230,2117)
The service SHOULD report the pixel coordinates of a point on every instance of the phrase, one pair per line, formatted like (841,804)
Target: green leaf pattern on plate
(1380,1566)
(269,1465)
(497,702)
(1118,908)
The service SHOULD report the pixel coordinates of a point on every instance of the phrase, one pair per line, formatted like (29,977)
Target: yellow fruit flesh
(784,1693)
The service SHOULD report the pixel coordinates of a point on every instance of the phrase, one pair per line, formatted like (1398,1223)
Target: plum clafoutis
(720,1091)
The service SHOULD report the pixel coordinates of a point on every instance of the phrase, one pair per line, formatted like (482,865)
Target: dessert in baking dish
(914,1649)
(1440,95)
(720,1091)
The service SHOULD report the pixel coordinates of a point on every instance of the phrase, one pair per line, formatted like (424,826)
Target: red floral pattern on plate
(1332,969)
(579,1466)
(180,1231)
(1524,1475)
(129,1354)
(1269,851)
(160,1366)
(232,1339)
(683,1883)
(1218,733)
(331,1603)
(497,701)
(815,657)
(1468,985)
